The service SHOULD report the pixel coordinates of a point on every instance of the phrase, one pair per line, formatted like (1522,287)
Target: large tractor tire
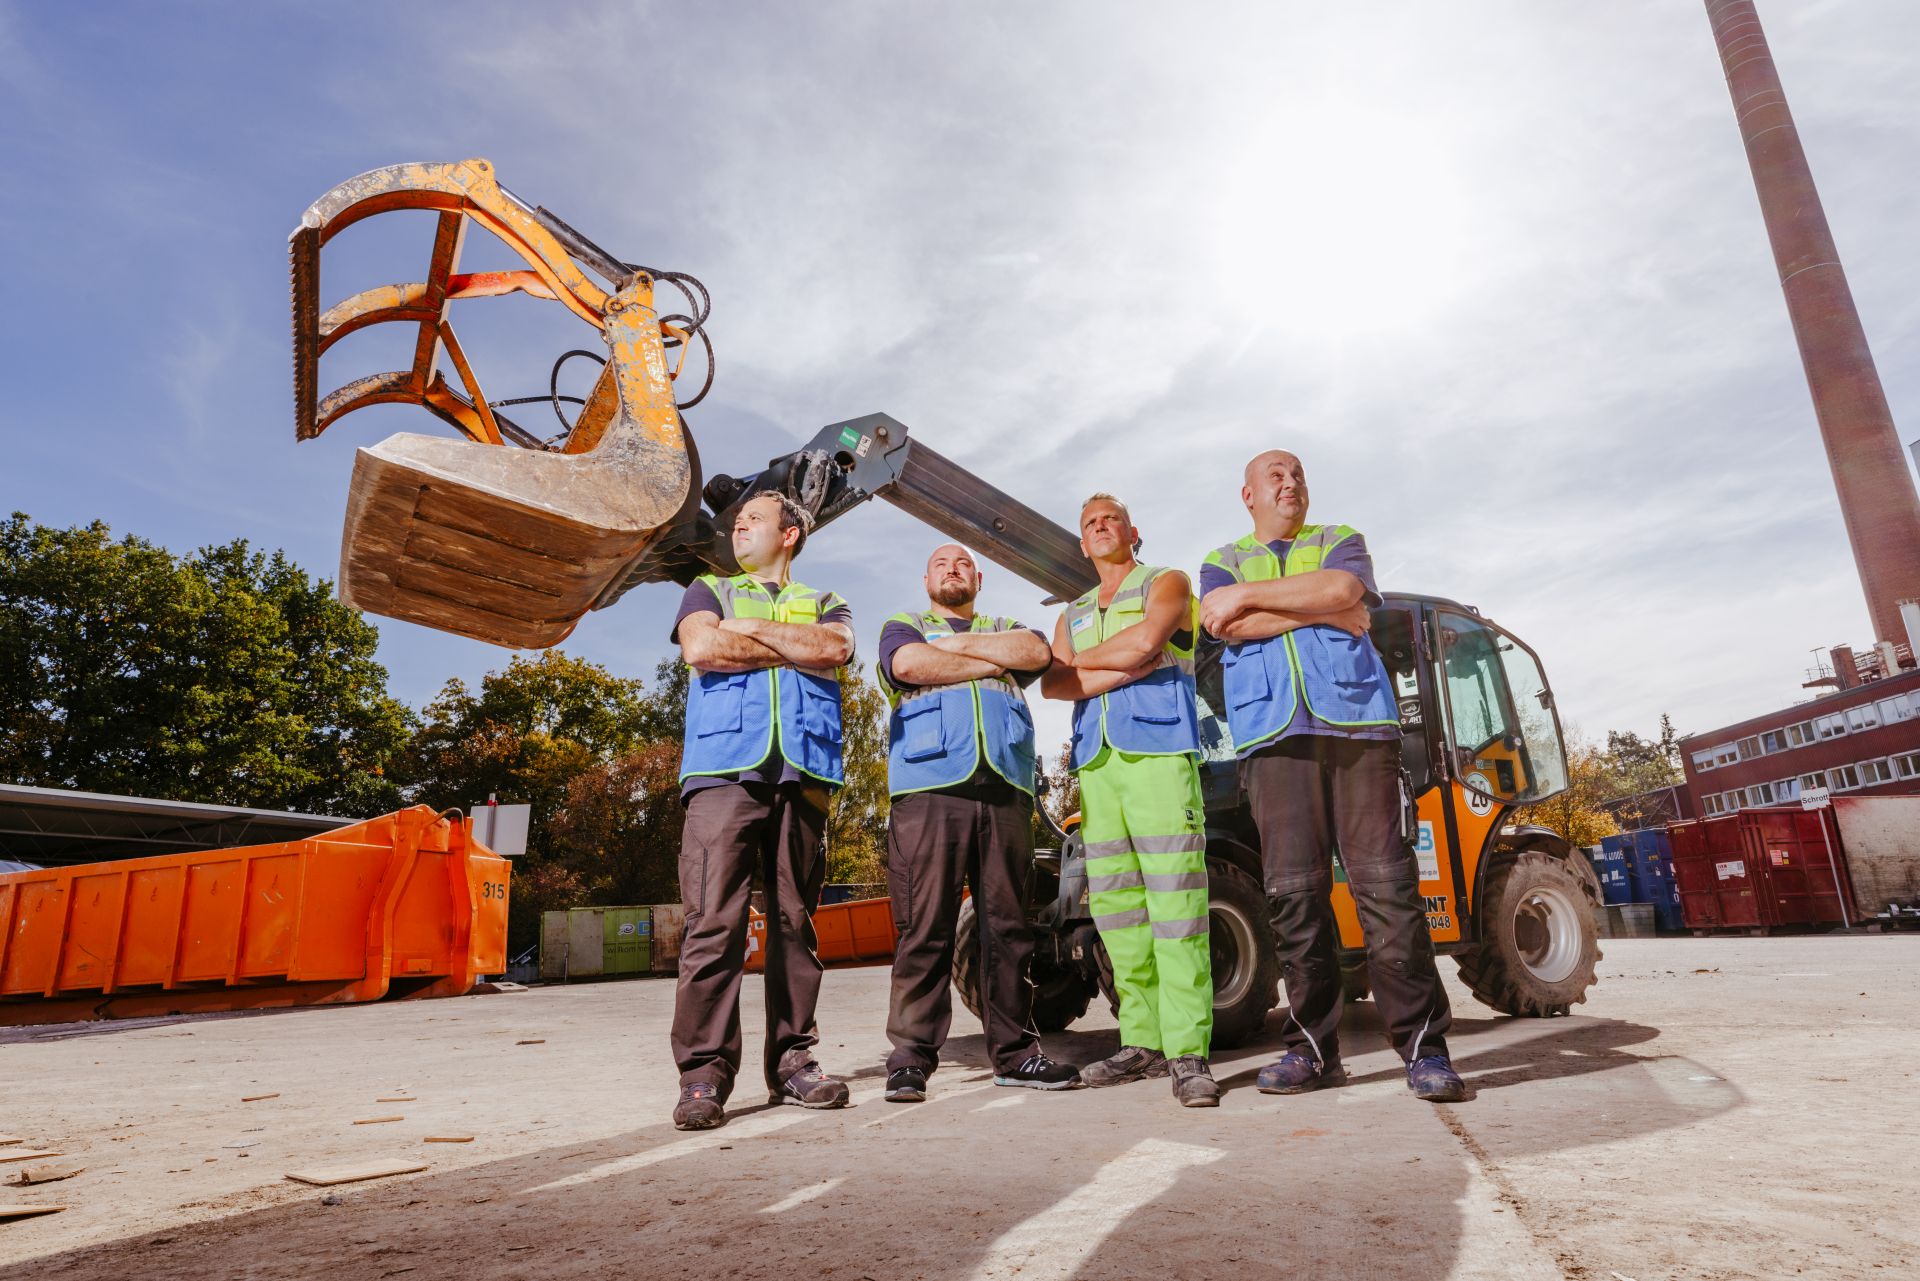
(1246,962)
(1538,946)
(1059,996)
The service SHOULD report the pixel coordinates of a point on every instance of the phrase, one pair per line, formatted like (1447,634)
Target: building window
(1787,789)
(1875,771)
(1774,740)
(1715,805)
(1843,779)
(1703,761)
(1862,717)
(1896,709)
(1812,780)
(1800,734)
(1725,754)
(1749,748)
(1760,794)
(1831,726)
(1907,765)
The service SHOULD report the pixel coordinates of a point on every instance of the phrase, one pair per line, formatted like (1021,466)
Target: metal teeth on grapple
(303,269)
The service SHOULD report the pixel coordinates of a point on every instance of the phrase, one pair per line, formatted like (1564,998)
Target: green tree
(857,822)
(524,736)
(228,676)
(552,732)
(619,827)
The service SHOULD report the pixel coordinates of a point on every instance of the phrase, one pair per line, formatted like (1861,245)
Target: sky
(1494,270)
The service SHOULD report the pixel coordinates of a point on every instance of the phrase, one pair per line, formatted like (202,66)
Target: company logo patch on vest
(737,720)
(935,734)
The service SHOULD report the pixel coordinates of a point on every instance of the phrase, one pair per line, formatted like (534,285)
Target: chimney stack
(1844,669)
(1877,497)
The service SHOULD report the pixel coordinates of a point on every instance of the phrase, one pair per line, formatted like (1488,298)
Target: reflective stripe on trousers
(1144,827)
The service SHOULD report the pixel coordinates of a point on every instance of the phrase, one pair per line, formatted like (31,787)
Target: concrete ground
(1718,1109)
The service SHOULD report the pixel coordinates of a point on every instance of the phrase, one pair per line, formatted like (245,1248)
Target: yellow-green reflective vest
(1341,677)
(1155,715)
(735,720)
(934,735)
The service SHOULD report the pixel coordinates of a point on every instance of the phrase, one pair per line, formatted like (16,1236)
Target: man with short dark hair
(1317,731)
(960,771)
(759,764)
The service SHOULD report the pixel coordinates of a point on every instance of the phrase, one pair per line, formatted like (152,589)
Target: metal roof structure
(55,828)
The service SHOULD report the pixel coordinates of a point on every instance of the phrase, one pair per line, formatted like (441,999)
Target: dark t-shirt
(985,785)
(1350,554)
(699,599)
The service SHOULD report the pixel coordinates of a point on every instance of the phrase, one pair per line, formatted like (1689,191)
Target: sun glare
(1338,222)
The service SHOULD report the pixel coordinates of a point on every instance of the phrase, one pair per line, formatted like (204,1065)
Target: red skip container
(1761,869)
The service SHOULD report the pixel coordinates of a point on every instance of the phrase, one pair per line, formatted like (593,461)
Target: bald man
(960,770)
(1317,731)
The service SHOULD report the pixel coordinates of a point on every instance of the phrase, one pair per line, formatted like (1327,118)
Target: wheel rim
(1546,933)
(1231,939)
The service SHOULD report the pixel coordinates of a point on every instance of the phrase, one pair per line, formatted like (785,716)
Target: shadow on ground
(984,1182)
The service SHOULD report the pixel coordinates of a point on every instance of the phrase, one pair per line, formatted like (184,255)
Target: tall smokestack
(1877,497)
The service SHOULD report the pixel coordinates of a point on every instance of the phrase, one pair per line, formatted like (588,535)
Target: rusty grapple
(514,542)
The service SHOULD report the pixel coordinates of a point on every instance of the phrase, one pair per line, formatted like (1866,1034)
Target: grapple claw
(475,536)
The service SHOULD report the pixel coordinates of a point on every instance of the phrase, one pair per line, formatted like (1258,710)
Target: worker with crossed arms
(1124,654)
(1317,732)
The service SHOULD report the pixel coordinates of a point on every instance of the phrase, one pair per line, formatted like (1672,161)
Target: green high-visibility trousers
(1144,824)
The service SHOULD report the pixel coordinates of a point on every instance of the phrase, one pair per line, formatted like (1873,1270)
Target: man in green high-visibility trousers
(1124,654)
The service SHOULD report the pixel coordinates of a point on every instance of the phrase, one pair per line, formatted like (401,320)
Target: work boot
(811,1088)
(1132,1063)
(906,1085)
(1193,1083)
(699,1107)
(1295,1073)
(1038,1072)
(1434,1079)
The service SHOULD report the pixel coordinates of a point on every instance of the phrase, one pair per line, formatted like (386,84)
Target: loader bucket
(498,536)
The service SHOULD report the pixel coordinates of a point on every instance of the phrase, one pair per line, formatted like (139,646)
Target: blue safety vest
(935,734)
(1341,677)
(1155,715)
(735,720)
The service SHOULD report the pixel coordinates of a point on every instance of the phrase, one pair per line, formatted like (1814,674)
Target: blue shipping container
(1610,866)
(1648,856)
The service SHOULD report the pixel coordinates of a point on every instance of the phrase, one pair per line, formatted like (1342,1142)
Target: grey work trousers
(1308,792)
(935,840)
(733,832)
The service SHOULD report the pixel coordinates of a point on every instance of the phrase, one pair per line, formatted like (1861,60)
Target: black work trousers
(733,832)
(1308,792)
(934,841)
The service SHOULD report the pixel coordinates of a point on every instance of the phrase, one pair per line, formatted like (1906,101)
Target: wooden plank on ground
(27,1211)
(8,1140)
(448,1138)
(378,1120)
(27,1154)
(47,1172)
(327,1176)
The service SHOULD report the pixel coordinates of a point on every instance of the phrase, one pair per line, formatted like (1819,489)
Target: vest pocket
(722,703)
(1245,677)
(1155,702)
(921,735)
(819,710)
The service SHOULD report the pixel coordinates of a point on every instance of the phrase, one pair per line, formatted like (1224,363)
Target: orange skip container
(407,904)
(860,932)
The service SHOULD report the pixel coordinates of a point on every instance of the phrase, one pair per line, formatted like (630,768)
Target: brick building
(1863,740)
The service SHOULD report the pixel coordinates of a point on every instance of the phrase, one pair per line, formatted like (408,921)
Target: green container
(627,940)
